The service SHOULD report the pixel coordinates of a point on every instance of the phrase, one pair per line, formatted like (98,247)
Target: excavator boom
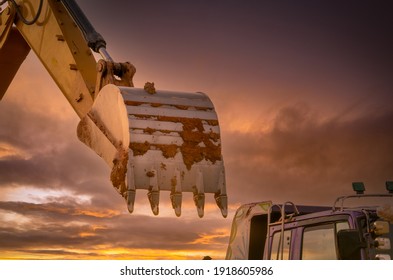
(151,139)
(12,55)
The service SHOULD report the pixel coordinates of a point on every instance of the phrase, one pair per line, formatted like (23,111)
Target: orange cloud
(7,150)
(214,238)
(108,213)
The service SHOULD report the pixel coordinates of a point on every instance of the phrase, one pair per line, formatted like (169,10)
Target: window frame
(297,228)
(272,250)
(331,225)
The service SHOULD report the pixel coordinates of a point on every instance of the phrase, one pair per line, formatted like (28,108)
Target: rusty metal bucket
(158,141)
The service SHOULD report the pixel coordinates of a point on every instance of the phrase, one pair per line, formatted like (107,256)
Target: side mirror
(349,244)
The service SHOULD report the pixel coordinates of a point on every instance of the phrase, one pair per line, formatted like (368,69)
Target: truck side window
(319,242)
(276,251)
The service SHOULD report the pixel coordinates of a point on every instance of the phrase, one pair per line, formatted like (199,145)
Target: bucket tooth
(199,194)
(154,192)
(154,199)
(130,193)
(176,199)
(221,196)
(130,200)
(199,200)
(222,203)
(176,193)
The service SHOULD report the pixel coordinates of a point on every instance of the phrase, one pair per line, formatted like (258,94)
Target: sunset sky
(304,95)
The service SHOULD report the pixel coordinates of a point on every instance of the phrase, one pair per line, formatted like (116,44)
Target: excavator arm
(151,139)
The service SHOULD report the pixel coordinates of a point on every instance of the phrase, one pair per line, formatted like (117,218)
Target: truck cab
(265,230)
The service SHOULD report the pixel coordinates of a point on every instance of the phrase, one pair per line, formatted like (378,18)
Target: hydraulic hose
(22,18)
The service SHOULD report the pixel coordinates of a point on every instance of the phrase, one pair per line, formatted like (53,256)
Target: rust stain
(198,144)
(139,103)
(133,103)
(154,104)
(149,88)
(193,135)
(119,170)
(168,151)
(139,149)
(182,107)
(214,136)
(212,122)
(145,117)
(191,154)
(149,130)
(150,174)
(84,132)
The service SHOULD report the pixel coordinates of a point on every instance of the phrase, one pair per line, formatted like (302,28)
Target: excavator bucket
(158,141)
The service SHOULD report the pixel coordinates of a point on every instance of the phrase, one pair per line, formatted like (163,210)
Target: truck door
(276,243)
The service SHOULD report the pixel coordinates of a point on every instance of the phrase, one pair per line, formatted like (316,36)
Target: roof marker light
(389,186)
(358,187)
